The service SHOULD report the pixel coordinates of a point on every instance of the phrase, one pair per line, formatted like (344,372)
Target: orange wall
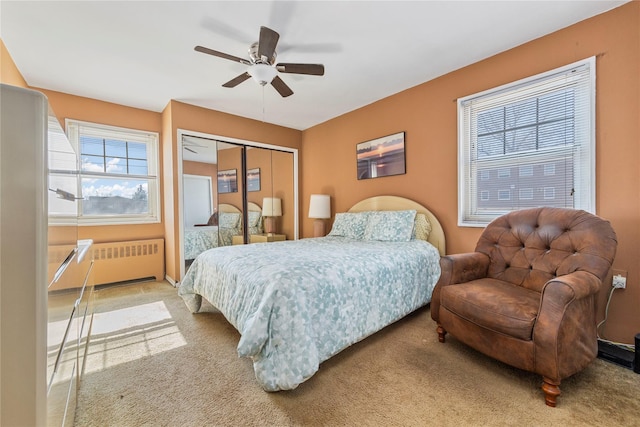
(428,115)
(9,73)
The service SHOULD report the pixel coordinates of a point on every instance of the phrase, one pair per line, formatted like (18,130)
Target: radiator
(123,261)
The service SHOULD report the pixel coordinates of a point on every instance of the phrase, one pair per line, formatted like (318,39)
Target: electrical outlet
(619,281)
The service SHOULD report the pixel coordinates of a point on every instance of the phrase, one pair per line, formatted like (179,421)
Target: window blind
(530,143)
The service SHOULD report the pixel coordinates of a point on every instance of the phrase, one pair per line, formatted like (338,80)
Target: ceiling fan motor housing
(255,57)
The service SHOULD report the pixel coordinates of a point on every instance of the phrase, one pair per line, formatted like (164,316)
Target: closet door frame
(180,191)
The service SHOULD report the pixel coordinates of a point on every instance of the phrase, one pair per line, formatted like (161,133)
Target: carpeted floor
(153,363)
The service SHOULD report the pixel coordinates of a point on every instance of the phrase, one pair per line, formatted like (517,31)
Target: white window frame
(153,166)
(469,214)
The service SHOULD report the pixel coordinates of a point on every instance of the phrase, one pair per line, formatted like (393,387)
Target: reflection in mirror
(224,188)
(199,184)
(283,189)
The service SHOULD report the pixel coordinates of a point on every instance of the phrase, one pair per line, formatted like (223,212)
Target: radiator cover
(131,260)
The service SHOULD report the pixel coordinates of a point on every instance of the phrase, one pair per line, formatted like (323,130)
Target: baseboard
(614,354)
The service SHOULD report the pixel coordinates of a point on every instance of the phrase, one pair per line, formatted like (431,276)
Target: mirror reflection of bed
(219,230)
(223,228)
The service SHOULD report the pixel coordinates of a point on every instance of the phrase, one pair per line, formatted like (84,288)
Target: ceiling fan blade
(312,69)
(267,42)
(221,55)
(236,81)
(281,87)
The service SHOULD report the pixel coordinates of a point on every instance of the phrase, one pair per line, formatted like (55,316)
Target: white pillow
(390,226)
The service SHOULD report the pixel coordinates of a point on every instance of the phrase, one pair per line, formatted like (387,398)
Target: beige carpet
(152,363)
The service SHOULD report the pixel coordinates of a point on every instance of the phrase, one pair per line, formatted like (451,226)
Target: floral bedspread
(297,303)
(199,239)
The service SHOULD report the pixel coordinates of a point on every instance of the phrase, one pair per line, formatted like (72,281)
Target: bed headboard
(395,203)
(225,207)
(253,207)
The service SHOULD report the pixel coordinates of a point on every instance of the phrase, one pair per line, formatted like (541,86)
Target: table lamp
(271,209)
(320,209)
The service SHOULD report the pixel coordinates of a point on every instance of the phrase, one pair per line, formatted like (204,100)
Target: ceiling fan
(191,146)
(260,65)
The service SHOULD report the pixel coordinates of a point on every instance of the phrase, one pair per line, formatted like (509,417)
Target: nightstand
(237,240)
(264,238)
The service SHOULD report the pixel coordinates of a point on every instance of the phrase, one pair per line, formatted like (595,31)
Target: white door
(198,199)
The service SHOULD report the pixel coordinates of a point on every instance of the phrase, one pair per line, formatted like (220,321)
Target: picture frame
(253,179)
(380,157)
(228,181)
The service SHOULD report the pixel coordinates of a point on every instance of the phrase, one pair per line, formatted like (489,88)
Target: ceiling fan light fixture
(262,73)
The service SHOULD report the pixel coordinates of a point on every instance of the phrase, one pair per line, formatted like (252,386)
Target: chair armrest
(458,268)
(564,289)
(565,335)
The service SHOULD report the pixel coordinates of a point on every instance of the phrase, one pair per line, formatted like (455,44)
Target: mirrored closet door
(235,193)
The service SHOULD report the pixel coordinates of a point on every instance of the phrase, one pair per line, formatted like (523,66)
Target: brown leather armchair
(526,296)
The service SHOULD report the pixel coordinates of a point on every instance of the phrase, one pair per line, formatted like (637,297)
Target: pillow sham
(228,219)
(421,227)
(254,218)
(390,226)
(350,224)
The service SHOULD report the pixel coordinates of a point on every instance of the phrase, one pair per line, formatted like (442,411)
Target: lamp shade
(320,206)
(271,206)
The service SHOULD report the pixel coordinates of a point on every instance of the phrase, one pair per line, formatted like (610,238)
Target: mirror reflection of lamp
(271,210)
(320,209)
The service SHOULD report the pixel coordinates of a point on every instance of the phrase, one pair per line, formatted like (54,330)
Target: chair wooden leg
(551,391)
(441,332)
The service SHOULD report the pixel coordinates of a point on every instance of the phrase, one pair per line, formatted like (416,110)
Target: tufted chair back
(532,246)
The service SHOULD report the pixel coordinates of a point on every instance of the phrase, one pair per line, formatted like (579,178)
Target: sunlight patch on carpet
(124,335)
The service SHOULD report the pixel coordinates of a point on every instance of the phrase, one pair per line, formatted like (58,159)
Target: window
(549,193)
(504,173)
(118,181)
(504,194)
(526,170)
(544,126)
(484,195)
(526,193)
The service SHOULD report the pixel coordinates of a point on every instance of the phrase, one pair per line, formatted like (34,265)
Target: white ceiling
(141,53)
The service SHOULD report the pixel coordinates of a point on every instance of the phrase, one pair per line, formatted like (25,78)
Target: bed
(228,223)
(297,303)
